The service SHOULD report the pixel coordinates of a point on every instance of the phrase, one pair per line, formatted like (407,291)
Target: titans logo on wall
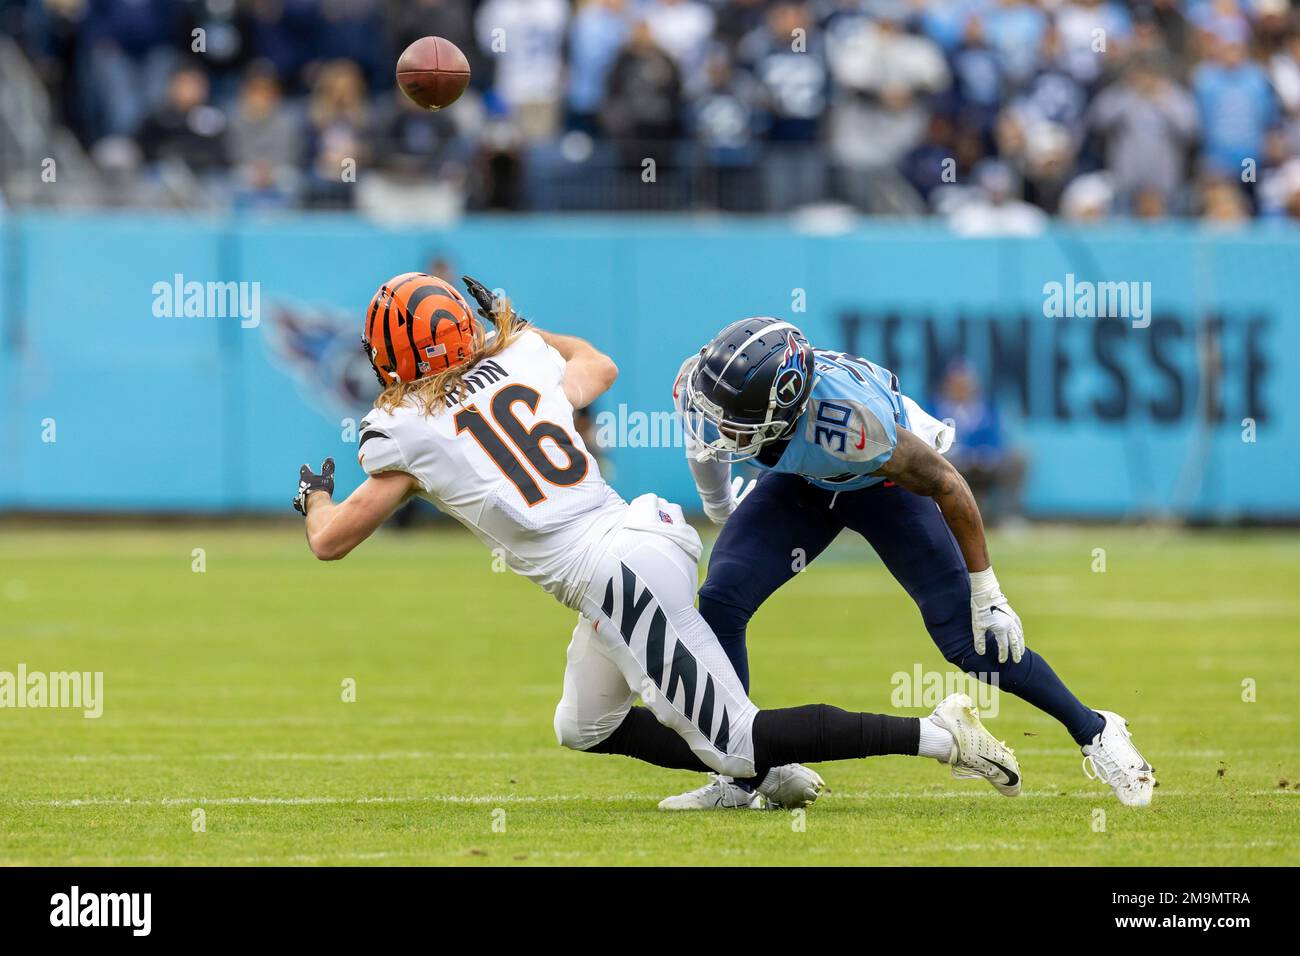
(320,348)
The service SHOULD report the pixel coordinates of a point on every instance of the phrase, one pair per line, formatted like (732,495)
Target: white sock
(936,742)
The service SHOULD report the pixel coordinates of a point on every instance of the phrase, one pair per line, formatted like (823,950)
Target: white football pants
(639,635)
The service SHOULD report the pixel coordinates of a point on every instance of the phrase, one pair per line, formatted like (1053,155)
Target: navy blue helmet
(751,384)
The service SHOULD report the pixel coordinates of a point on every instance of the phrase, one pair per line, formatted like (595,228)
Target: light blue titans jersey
(850,425)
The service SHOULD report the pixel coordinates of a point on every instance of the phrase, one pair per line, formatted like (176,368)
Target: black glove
(309,481)
(488,305)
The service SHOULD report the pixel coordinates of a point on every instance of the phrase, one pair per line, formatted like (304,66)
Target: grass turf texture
(223,693)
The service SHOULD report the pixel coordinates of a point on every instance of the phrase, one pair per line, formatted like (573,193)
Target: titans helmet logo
(792,374)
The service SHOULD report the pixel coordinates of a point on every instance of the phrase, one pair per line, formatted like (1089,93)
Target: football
(433,72)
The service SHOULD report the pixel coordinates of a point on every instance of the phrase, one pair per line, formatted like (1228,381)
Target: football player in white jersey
(478,420)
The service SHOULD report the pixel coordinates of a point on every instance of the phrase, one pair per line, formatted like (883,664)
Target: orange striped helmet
(417,324)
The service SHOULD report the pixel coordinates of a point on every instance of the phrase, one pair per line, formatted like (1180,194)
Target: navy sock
(1034,681)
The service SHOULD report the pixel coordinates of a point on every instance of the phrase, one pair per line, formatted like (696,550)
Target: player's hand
(991,614)
(489,306)
(739,491)
(309,481)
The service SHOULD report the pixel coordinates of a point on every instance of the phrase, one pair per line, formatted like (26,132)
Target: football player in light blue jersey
(850,428)
(840,446)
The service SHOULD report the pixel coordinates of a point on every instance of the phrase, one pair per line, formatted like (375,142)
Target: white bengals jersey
(507,462)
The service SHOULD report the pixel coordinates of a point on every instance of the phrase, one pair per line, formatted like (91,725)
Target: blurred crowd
(993,113)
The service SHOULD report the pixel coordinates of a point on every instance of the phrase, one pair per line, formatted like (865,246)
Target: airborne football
(433,73)
(648,433)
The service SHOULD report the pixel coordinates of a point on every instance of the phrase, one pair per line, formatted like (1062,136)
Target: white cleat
(720,793)
(1112,757)
(976,752)
(784,788)
(791,787)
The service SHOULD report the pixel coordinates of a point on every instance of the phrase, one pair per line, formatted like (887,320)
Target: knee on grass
(576,734)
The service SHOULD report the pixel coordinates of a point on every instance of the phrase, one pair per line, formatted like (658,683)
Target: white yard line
(1024,747)
(313,800)
(271,757)
(509,799)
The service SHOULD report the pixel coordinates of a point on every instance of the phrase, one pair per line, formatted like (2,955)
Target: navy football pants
(785,522)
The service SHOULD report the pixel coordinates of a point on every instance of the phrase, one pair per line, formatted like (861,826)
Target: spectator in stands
(1222,201)
(684,29)
(1052,94)
(186,128)
(339,133)
(421,162)
(994,470)
(1219,19)
(130,53)
(1148,123)
(1040,132)
(598,32)
(979,86)
(224,47)
(1284,74)
(1015,29)
(933,163)
(722,124)
(1094,34)
(1171,29)
(354,30)
(53,28)
(737,19)
(885,78)
(1271,25)
(1237,105)
(1280,191)
(994,208)
(525,39)
(942,22)
(642,111)
(1046,164)
(283,33)
(412,140)
(786,60)
(1088,198)
(265,141)
(1149,40)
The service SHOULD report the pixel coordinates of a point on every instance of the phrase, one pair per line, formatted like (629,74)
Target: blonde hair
(440,390)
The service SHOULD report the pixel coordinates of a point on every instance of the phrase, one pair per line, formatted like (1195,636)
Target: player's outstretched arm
(333,530)
(922,470)
(588,372)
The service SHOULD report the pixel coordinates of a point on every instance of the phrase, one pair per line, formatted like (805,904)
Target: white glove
(991,614)
(719,513)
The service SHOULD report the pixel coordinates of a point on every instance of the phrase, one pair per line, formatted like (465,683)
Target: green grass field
(223,693)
